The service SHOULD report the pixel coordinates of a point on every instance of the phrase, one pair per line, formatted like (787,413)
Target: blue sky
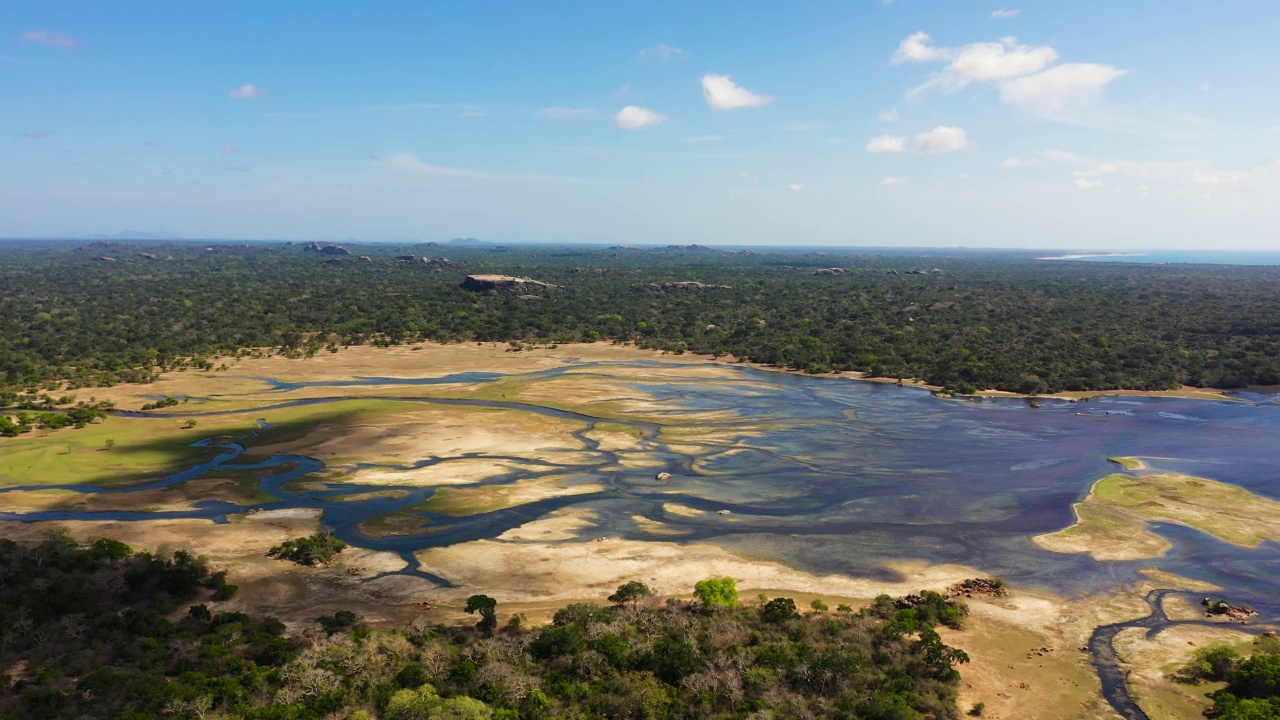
(1119,124)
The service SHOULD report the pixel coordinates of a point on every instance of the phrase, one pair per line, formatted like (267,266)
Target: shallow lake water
(833,475)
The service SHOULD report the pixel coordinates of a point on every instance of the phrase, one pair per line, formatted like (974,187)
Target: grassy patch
(362,496)
(396,523)
(1129,463)
(1112,522)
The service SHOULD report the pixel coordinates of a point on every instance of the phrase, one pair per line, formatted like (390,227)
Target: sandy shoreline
(244,376)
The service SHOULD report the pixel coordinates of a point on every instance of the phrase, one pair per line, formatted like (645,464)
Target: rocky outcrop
(104,258)
(1215,606)
(830,271)
(504,283)
(325,249)
(691,286)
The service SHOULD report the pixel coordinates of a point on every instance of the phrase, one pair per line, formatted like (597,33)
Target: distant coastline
(1083,256)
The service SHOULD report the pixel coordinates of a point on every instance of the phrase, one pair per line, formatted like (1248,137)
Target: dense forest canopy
(102,631)
(82,315)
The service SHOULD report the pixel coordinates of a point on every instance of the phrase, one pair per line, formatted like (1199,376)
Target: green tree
(488,609)
(779,610)
(631,592)
(717,593)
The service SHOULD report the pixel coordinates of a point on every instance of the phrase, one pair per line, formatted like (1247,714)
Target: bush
(717,593)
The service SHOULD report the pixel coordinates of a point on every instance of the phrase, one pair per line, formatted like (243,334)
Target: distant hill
(467,241)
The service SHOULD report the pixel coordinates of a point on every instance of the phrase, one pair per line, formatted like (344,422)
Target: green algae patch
(1113,522)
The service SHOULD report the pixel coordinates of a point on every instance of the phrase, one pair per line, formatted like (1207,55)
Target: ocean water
(1188,257)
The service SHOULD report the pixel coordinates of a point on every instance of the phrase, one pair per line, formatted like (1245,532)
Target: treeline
(88,632)
(984,321)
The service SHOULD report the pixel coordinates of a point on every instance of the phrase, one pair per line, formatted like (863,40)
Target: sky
(1096,124)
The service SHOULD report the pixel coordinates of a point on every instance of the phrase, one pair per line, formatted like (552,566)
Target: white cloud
(632,117)
(662,52)
(723,93)
(246,92)
(796,187)
(1059,156)
(1086,183)
(704,138)
(752,180)
(917,47)
(894,181)
(976,62)
(1197,172)
(564,113)
(942,140)
(887,144)
(1021,72)
(1060,87)
(1006,13)
(890,115)
(229,149)
(49,37)
(408,162)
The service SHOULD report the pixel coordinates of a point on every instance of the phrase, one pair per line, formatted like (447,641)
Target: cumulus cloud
(976,62)
(1017,162)
(633,117)
(49,37)
(1086,183)
(796,187)
(564,113)
(723,93)
(890,115)
(246,92)
(1006,13)
(1061,86)
(917,47)
(887,144)
(942,140)
(662,52)
(1021,72)
(894,181)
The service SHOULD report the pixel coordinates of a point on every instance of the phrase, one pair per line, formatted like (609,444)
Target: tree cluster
(1253,683)
(984,320)
(97,631)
